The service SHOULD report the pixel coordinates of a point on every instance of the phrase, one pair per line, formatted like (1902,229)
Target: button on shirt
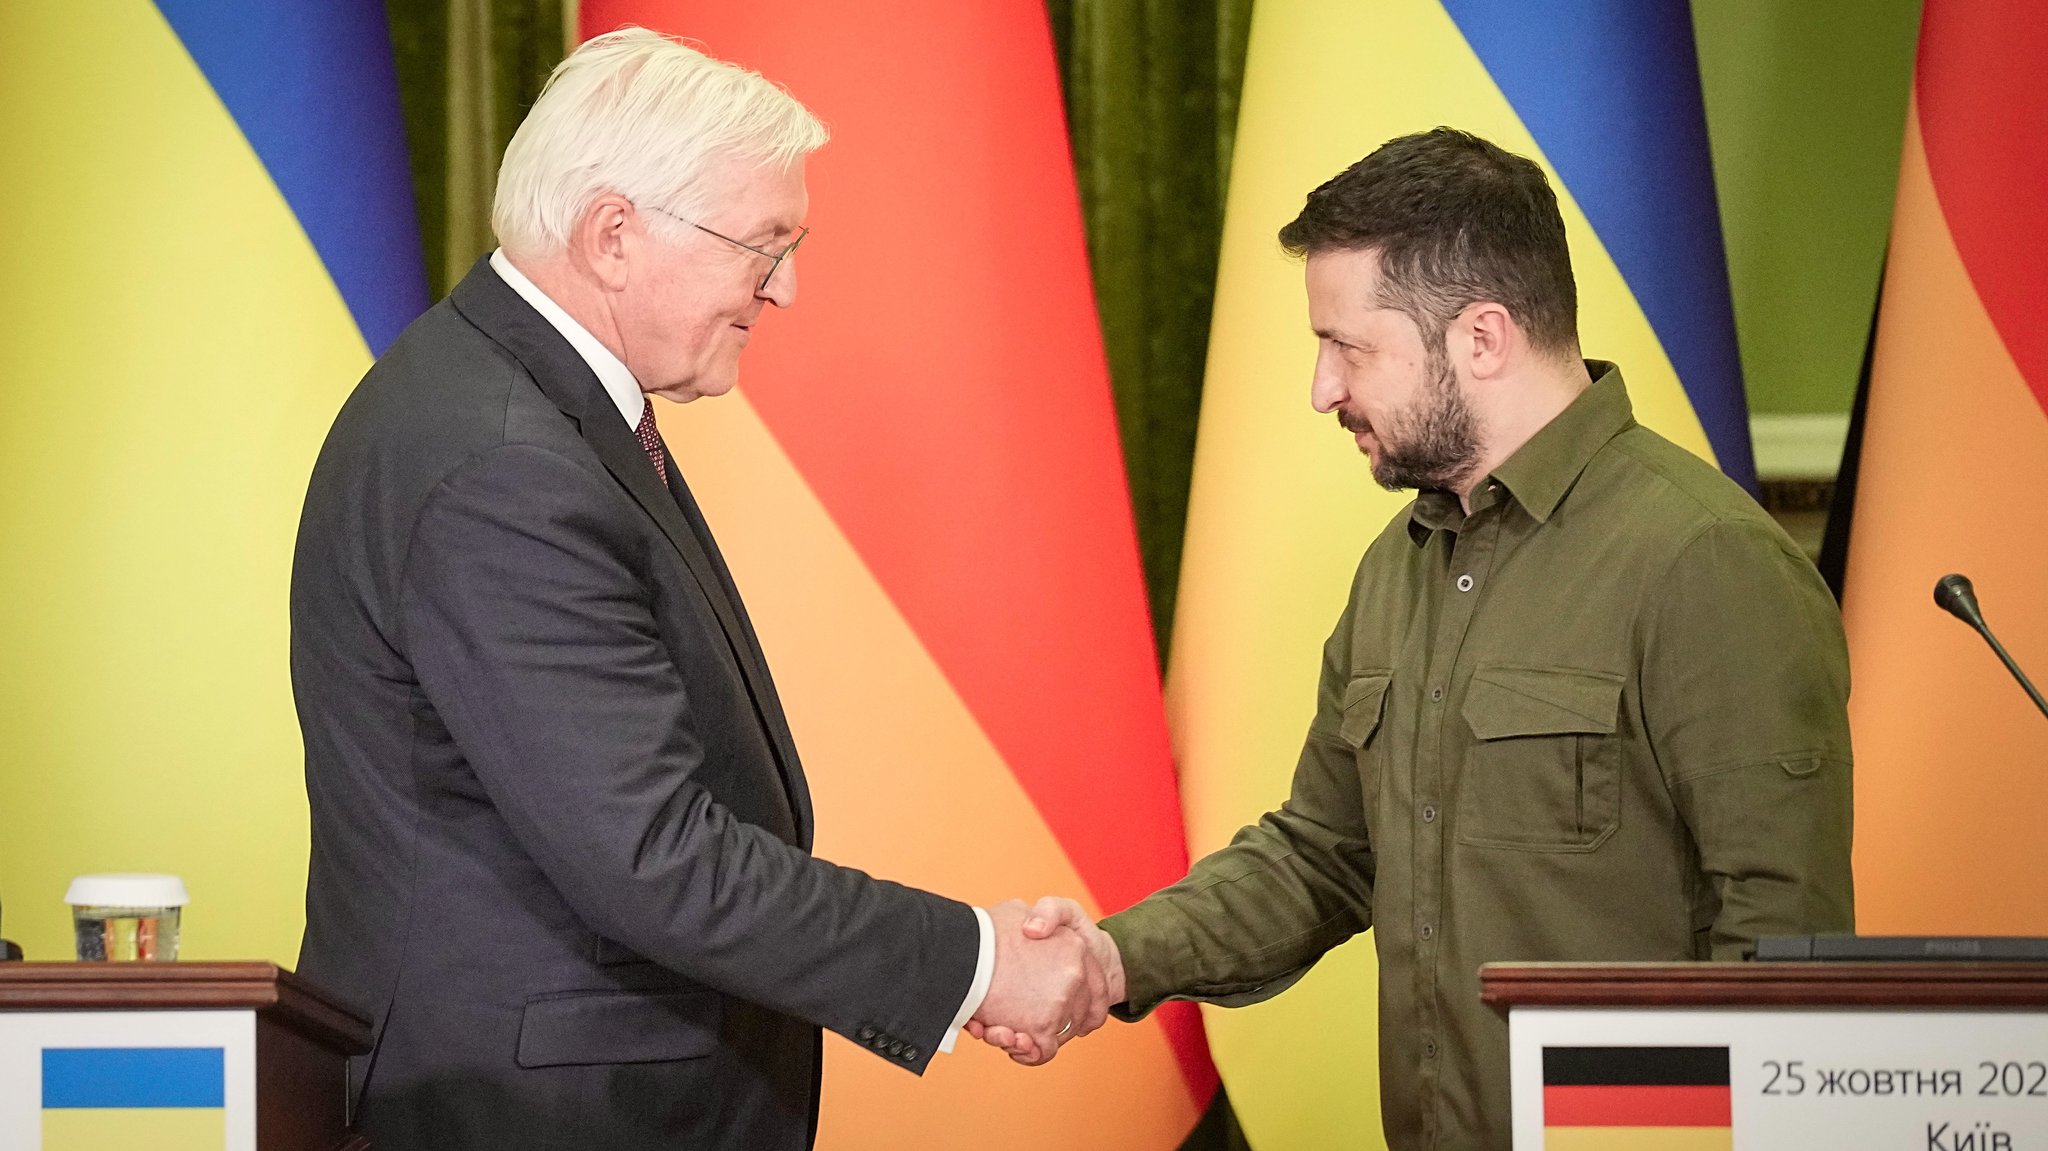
(1601,717)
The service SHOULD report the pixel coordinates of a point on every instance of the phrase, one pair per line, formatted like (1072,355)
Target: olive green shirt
(1602,717)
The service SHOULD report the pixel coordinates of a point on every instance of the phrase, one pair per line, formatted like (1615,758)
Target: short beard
(1434,445)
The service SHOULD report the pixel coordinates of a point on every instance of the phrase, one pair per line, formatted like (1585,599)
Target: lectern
(176,1056)
(1763,1056)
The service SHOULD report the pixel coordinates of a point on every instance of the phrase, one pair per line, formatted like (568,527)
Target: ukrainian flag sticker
(164,1098)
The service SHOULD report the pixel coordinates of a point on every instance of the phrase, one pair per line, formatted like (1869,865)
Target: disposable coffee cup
(124,918)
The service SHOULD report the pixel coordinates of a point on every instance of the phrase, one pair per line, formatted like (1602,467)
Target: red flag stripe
(1636,1106)
(1983,101)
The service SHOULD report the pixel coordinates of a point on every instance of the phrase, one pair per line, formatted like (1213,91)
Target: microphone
(1954,595)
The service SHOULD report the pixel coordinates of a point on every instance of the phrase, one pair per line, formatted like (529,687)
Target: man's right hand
(1053,920)
(1046,988)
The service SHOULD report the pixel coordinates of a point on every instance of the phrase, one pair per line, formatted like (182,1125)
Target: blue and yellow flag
(165,1098)
(1609,94)
(211,233)
(1607,98)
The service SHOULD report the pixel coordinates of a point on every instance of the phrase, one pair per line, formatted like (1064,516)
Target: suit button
(865,1034)
(896,1048)
(910,1053)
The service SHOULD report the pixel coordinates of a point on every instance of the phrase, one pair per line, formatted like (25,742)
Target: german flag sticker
(1641,1098)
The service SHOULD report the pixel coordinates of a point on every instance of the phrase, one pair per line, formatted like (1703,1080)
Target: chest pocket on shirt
(1365,700)
(1545,774)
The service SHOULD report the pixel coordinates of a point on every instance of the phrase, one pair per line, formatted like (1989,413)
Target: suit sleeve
(1745,698)
(1250,919)
(535,640)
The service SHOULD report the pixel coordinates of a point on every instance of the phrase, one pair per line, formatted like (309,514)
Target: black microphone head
(1954,595)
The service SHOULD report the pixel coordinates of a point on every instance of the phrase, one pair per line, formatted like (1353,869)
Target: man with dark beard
(1586,702)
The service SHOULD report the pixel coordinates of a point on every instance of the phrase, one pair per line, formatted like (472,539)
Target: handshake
(1056,976)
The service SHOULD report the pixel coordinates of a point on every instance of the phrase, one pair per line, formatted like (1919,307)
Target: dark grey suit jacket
(560,834)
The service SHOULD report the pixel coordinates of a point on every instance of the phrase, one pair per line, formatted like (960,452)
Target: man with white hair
(560,849)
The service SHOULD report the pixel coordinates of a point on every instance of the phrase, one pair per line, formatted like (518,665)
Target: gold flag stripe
(1638,1139)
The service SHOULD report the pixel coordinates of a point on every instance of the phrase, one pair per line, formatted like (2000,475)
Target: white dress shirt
(625,391)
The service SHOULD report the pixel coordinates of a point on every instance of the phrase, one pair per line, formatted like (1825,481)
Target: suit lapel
(488,302)
(770,703)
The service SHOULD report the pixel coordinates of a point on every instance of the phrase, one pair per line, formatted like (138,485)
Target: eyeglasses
(774,258)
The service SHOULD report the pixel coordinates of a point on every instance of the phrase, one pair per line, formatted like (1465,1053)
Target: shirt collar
(616,377)
(1542,470)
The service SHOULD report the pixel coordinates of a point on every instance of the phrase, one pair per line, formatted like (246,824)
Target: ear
(604,238)
(1492,336)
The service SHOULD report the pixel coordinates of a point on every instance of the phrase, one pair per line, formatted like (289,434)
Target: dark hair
(1455,220)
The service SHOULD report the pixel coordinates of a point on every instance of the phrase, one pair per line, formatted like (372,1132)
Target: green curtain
(1151,90)
(467,72)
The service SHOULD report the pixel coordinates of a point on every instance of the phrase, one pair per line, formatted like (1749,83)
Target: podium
(221,1056)
(1764,1056)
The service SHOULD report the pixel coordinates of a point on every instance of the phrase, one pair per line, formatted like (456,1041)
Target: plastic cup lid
(127,891)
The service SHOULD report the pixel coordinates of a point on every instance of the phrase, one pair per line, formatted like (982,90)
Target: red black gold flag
(1646,1098)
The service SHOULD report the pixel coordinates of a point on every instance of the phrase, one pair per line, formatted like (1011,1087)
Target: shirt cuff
(984,972)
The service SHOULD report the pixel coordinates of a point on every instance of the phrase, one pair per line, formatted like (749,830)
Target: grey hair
(645,116)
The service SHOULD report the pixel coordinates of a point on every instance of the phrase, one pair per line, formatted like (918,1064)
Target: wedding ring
(1064,1028)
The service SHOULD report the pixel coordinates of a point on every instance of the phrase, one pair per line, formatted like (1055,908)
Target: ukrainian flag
(163,1098)
(1607,98)
(211,232)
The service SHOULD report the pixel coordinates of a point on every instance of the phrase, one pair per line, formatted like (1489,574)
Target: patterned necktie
(650,441)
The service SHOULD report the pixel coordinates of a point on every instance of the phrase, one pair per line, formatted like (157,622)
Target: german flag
(1641,1098)
(1955,444)
(920,491)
